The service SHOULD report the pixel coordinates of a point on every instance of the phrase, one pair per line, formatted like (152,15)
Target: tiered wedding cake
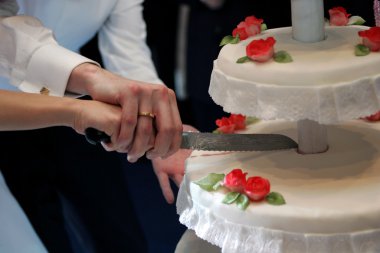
(332,190)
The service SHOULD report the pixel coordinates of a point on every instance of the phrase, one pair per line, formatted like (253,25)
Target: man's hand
(159,137)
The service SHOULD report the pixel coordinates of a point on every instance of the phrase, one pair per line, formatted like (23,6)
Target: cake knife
(217,142)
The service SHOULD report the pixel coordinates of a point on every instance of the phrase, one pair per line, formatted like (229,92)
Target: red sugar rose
(241,32)
(238,120)
(338,16)
(257,188)
(230,124)
(249,27)
(253,25)
(225,125)
(371,38)
(235,180)
(261,50)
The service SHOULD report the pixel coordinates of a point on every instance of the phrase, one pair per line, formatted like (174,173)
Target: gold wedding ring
(147,114)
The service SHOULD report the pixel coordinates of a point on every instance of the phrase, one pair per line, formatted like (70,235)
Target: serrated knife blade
(236,142)
(218,142)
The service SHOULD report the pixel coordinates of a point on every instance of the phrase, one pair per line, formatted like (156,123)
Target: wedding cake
(311,82)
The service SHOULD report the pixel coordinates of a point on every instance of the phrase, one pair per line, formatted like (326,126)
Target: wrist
(67,111)
(81,80)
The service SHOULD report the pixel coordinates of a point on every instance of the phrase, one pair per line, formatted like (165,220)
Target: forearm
(22,111)
(84,78)
(90,79)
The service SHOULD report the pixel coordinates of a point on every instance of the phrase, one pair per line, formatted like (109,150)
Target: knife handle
(95,136)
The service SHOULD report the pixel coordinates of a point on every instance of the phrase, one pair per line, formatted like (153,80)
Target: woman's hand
(172,168)
(101,116)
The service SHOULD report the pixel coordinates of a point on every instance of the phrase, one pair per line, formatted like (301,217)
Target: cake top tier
(326,82)
(328,62)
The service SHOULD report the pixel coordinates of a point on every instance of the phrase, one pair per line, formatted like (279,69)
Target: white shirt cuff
(49,69)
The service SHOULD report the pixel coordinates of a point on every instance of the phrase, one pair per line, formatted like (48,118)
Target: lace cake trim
(235,238)
(341,102)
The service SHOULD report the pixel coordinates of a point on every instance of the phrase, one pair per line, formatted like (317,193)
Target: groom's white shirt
(33,58)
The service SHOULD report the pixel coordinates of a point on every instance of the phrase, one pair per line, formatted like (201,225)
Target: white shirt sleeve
(122,43)
(30,57)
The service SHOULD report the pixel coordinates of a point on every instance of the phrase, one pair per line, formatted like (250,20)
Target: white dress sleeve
(122,43)
(16,233)
(30,57)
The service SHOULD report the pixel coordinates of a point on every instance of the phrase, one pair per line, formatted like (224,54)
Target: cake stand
(332,182)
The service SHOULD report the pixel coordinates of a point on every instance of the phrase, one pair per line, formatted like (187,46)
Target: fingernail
(131,158)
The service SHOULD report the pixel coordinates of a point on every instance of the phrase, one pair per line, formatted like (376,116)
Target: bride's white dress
(16,233)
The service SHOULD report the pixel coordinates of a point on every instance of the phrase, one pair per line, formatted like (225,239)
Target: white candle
(308,20)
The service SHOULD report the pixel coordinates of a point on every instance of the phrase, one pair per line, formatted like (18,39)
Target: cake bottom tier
(332,199)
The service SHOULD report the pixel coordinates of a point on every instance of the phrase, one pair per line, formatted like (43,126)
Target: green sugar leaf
(230,197)
(235,40)
(356,20)
(282,57)
(243,59)
(275,198)
(361,50)
(242,202)
(229,39)
(264,27)
(218,185)
(216,131)
(251,120)
(226,40)
(207,183)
